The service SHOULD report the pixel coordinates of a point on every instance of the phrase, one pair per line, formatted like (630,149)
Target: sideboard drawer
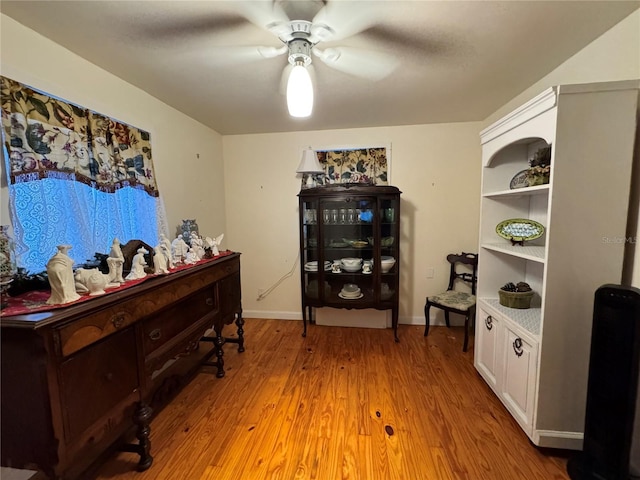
(164,326)
(96,379)
(99,324)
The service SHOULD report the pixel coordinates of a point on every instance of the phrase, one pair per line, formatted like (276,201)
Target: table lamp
(310,166)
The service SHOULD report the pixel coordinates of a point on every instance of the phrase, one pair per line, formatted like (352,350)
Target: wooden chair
(455,301)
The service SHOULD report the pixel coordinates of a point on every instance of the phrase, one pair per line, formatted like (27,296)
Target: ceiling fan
(302,39)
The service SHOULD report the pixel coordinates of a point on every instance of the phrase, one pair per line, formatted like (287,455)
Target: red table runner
(35,301)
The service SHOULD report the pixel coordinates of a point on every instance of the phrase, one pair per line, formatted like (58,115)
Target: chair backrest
(463,259)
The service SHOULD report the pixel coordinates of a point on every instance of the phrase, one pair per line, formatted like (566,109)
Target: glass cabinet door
(310,251)
(348,236)
(388,250)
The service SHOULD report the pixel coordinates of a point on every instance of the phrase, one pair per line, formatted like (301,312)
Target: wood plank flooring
(344,403)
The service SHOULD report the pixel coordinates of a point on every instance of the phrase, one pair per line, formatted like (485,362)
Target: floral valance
(359,165)
(50,138)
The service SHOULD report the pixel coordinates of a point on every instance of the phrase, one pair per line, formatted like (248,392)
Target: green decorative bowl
(519,230)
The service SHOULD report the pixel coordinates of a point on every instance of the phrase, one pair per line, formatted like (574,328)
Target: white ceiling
(458,60)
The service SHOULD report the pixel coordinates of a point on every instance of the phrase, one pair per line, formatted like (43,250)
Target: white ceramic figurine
(159,261)
(165,246)
(214,244)
(117,263)
(179,249)
(137,265)
(61,280)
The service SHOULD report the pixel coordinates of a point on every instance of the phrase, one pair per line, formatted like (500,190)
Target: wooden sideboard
(79,381)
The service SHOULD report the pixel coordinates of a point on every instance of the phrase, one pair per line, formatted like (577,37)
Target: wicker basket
(515,299)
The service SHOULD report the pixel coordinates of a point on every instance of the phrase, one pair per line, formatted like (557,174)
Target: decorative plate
(519,230)
(356,243)
(338,244)
(519,180)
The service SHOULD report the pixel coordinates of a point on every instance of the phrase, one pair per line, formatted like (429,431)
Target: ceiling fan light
(299,92)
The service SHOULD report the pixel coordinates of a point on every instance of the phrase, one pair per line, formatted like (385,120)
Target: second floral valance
(357,165)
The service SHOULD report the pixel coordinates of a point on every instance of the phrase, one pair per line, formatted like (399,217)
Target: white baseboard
(272,315)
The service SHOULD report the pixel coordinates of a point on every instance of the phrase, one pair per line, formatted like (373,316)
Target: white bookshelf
(536,359)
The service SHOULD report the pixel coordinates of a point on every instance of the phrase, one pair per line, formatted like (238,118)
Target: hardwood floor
(344,403)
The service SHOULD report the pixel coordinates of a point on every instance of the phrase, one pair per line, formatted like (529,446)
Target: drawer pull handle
(209,301)
(517,346)
(488,322)
(108,377)
(155,334)
(118,320)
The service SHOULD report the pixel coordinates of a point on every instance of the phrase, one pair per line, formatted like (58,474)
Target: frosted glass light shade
(299,92)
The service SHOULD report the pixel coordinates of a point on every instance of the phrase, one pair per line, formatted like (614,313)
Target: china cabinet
(350,248)
(536,360)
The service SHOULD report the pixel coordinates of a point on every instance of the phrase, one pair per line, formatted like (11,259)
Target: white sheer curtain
(51,212)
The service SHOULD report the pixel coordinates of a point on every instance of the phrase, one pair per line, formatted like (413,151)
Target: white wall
(191,187)
(613,56)
(437,168)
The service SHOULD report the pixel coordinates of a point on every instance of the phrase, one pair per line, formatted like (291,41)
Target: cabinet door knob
(209,301)
(108,377)
(155,334)
(488,322)
(517,346)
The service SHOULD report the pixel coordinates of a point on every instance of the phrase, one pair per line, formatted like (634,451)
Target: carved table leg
(240,323)
(240,339)
(219,342)
(141,417)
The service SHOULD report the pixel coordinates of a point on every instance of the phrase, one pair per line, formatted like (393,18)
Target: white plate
(314,264)
(350,298)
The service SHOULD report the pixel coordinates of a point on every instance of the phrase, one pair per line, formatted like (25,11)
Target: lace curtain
(75,177)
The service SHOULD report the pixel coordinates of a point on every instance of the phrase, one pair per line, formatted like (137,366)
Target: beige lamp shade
(310,165)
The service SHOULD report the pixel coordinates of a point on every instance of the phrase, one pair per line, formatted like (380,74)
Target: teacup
(336,267)
(367,267)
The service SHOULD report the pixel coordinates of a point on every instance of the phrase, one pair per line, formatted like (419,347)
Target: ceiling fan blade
(266,14)
(360,63)
(179,28)
(341,19)
(223,56)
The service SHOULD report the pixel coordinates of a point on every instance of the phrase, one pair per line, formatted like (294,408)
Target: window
(75,177)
